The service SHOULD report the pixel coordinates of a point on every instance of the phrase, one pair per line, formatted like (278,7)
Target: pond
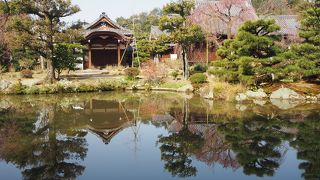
(156,136)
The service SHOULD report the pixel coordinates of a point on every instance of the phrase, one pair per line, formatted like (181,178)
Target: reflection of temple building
(107,118)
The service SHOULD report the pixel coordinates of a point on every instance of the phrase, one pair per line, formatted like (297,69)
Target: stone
(285,104)
(5,106)
(241,97)
(135,87)
(204,91)
(4,84)
(241,107)
(312,98)
(260,94)
(186,88)
(286,94)
(259,102)
(210,95)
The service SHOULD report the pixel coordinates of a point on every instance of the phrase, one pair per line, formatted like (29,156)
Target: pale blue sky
(91,9)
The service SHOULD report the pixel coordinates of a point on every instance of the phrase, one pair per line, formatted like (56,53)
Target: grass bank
(67,87)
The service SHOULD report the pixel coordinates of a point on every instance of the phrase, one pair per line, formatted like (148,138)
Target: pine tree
(46,19)
(251,56)
(307,54)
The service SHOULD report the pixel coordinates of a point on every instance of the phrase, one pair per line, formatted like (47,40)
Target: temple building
(108,44)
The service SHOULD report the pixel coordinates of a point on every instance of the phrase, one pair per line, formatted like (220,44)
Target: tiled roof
(289,24)
(118,29)
(199,2)
(155,32)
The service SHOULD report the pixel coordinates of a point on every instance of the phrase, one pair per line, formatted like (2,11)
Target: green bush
(224,74)
(201,68)
(48,89)
(26,63)
(26,73)
(111,85)
(198,78)
(86,88)
(131,73)
(175,74)
(32,90)
(106,86)
(65,86)
(120,84)
(198,68)
(17,88)
(247,80)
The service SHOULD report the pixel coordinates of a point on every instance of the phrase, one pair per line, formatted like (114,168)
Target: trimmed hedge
(198,78)
(66,87)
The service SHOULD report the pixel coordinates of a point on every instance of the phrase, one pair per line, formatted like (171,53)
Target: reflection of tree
(257,143)
(175,151)
(44,152)
(308,146)
(215,149)
(177,148)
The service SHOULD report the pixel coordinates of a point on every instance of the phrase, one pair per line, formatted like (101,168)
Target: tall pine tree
(308,53)
(46,19)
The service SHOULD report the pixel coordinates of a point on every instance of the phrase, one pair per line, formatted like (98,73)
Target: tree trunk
(185,63)
(229,29)
(207,49)
(51,69)
(50,74)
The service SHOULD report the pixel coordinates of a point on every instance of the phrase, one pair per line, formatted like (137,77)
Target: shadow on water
(46,136)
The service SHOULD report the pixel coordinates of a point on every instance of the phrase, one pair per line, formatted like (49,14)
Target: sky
(91,9)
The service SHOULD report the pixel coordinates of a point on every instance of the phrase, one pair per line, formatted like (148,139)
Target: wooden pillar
(119,55)
(90,57)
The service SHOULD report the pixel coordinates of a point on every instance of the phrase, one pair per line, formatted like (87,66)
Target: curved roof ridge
(104,15)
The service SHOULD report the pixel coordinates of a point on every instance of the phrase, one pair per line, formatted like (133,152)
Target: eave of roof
(117,28)
(289,24)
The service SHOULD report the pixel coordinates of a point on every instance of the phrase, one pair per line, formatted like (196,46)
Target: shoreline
(279,104)
(205,91)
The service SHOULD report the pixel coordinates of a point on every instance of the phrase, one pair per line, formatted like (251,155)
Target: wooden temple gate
(108,44)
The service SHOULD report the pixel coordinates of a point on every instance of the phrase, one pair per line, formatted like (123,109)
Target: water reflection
(46,137)
(177,148)
(308,145)
(40,145)
(257,142)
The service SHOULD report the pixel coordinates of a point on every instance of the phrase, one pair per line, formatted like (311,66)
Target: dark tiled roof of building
(155,32)
(289,24)
(116,28)
(118,31)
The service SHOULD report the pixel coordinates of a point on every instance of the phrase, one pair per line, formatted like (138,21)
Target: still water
(156,136)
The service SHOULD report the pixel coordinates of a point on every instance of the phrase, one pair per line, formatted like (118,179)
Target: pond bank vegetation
(255,63)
